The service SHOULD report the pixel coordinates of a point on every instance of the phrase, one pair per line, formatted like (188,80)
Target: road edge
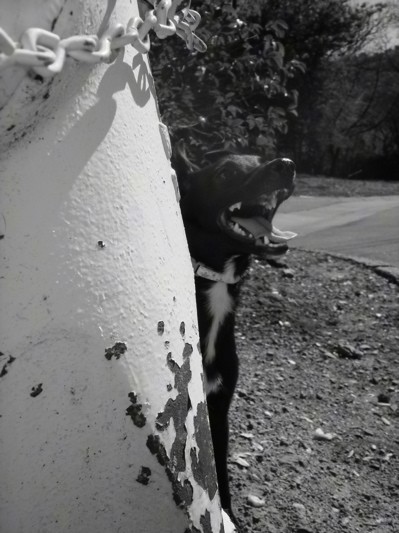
(388,272)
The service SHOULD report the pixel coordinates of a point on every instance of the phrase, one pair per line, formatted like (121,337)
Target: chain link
(45,52)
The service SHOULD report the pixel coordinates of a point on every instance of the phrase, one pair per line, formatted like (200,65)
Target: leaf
(233,110)
(255,501)
(262,141)
(239,460)
(320,435)
(277,59)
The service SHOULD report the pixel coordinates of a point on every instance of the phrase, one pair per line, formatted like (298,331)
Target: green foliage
(239,93)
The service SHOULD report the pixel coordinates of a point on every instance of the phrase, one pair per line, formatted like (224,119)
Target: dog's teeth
(265,240)
(235,206)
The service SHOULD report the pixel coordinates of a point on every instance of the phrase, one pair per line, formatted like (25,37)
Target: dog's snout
(290,164)
(286,166)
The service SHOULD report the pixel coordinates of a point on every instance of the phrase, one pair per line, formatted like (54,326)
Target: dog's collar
(202,271)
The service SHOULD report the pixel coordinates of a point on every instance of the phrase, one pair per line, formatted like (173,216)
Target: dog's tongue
(259,227)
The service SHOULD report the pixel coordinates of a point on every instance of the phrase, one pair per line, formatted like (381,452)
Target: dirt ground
(314,423)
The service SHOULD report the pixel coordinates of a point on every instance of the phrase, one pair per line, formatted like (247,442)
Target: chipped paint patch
(117,350)
(135,411)
(3,224)
(144,475)
(182,329)
(5,368)
(206,522)
(176,409)
(182,491)
(37,390)
(203,462)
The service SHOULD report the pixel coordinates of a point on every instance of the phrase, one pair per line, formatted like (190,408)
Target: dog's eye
(228,173)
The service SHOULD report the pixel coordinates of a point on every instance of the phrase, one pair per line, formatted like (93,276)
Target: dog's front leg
(218,418)
(218,408)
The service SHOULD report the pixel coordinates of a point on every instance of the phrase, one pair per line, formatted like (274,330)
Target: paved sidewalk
(365,228)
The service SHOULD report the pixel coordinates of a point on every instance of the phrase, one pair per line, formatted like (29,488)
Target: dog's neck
(232,272)
(228,276)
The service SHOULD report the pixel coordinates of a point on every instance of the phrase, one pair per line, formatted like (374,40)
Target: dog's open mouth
(253,224)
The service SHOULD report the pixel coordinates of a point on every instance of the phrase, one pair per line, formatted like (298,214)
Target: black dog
(227,209)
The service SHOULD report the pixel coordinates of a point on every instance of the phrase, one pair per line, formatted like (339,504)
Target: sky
(390,34)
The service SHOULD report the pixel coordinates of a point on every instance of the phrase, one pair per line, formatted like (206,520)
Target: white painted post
(103,424)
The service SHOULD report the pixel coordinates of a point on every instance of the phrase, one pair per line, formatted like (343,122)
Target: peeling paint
(203,463)
(177,409)
(182,329)
(182,492)
(172,365)
(188,350)
(3,224)
(144,475)
(135,411)
(37,390)
(116,351)
(206,522)
(158,449)
(6,365)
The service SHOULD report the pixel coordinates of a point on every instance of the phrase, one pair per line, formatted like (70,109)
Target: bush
(239,94)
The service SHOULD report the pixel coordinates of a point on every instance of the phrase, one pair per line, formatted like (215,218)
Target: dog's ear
(184,168)
(180,160)
(215,155)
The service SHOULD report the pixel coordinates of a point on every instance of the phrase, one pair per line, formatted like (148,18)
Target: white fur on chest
(220,304)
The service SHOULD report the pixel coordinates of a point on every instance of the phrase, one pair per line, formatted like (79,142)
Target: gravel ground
(314,423)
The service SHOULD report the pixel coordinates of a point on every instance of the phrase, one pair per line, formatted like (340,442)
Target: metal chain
(45,52)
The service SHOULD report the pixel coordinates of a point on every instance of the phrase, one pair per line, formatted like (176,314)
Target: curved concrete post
(103,423)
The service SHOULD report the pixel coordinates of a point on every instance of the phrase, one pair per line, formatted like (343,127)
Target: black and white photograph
(199,266)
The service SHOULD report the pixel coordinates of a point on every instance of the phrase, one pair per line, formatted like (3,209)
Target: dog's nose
(286,166)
